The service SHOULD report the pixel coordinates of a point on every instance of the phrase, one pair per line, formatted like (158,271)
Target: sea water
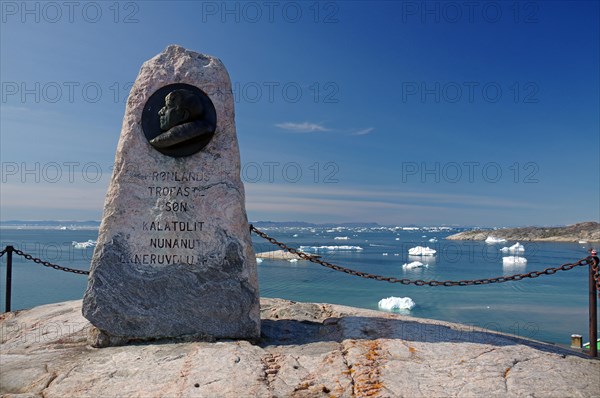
(548,308)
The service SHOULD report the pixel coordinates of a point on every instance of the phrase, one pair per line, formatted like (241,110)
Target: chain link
(596,273)
(2,252)
(419,282)
(50,265)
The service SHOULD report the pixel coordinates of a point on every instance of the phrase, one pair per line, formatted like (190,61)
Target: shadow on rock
(338,329)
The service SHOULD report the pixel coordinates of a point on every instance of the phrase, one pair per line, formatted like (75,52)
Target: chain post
(9,255)
(593,311)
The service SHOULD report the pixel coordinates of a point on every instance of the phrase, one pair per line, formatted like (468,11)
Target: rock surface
(174,255)
(588,231)
(307,350)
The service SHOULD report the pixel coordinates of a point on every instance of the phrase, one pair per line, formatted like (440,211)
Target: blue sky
(398,112)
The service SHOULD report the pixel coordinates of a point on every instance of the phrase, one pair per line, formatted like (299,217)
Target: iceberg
(84,245)
(259,260)
(433,240)
(516,248)
(492,240)
(514,260)
(396,303)
(421,251)
(429,260)
(414,264)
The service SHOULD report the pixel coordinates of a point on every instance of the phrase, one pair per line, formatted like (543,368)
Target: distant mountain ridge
(302,224)
(584,231)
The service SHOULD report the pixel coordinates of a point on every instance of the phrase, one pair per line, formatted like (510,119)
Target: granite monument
(174,257)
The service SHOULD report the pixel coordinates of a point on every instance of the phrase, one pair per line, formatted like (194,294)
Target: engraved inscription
(171,241)
(162,259)
(175,226)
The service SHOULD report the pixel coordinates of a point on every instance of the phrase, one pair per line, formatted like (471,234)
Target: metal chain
(50,265)
(419,282)
(596,273)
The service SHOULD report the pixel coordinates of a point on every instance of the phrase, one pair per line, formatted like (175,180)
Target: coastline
(581,232)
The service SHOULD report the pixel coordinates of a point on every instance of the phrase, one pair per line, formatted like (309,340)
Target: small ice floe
(433,240)
(396,303)
(84,245)
(514,260)
(384,254)
(396,254)
(293,260)
(421,251)
(492,240)
(413,265)
(583,242)
(424,236)
(259,260)
(397,238)
(295,236)
(341,238)
(516,248)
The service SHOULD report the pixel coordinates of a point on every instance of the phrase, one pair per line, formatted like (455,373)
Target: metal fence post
(9,254)
(593,309)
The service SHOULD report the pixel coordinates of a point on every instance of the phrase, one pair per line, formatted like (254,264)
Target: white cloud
(384,195)
(305,127)
(330,203)
(364,131)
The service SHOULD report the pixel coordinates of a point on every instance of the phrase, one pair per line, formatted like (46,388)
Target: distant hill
(588,231)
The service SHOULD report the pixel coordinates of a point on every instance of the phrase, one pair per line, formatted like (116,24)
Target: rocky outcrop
(306,350)
(588,231)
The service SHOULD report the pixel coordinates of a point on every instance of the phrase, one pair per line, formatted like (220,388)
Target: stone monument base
(99,339)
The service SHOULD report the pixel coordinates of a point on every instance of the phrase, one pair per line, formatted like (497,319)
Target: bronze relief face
(179,120)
